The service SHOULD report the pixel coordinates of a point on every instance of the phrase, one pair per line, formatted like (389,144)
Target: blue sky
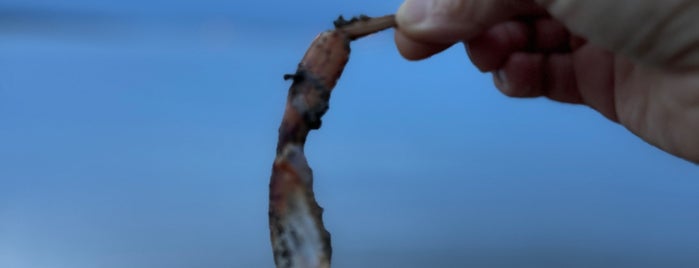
(139,134)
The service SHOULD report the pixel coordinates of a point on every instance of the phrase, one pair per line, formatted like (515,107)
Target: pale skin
(636,62)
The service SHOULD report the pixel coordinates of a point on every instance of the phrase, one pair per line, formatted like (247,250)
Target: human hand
(635,62)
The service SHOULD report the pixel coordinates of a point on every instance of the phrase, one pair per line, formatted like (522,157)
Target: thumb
(450,21)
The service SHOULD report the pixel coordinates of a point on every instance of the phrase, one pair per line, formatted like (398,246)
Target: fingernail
(501,79)
(412,12)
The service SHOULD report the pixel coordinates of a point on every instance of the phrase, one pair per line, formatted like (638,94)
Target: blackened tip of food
(342,22)
(315,124)
(297,77)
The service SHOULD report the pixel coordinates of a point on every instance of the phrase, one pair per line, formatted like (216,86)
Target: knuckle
(451,9)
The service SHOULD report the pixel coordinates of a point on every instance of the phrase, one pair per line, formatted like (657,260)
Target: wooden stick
(299,238)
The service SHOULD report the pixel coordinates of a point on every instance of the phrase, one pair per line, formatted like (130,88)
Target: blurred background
(141,134)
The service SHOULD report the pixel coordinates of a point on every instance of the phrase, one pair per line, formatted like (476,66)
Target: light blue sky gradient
(141,134)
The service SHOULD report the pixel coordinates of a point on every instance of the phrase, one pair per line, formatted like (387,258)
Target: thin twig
(363,25)
(299,238)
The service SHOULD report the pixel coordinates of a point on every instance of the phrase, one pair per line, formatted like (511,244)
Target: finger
(583,77)
(413,50)
(594,70)
(489,51)
(550,36)
(560,83)
(522,75)
(576,42)
(527,75)
(449,21)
